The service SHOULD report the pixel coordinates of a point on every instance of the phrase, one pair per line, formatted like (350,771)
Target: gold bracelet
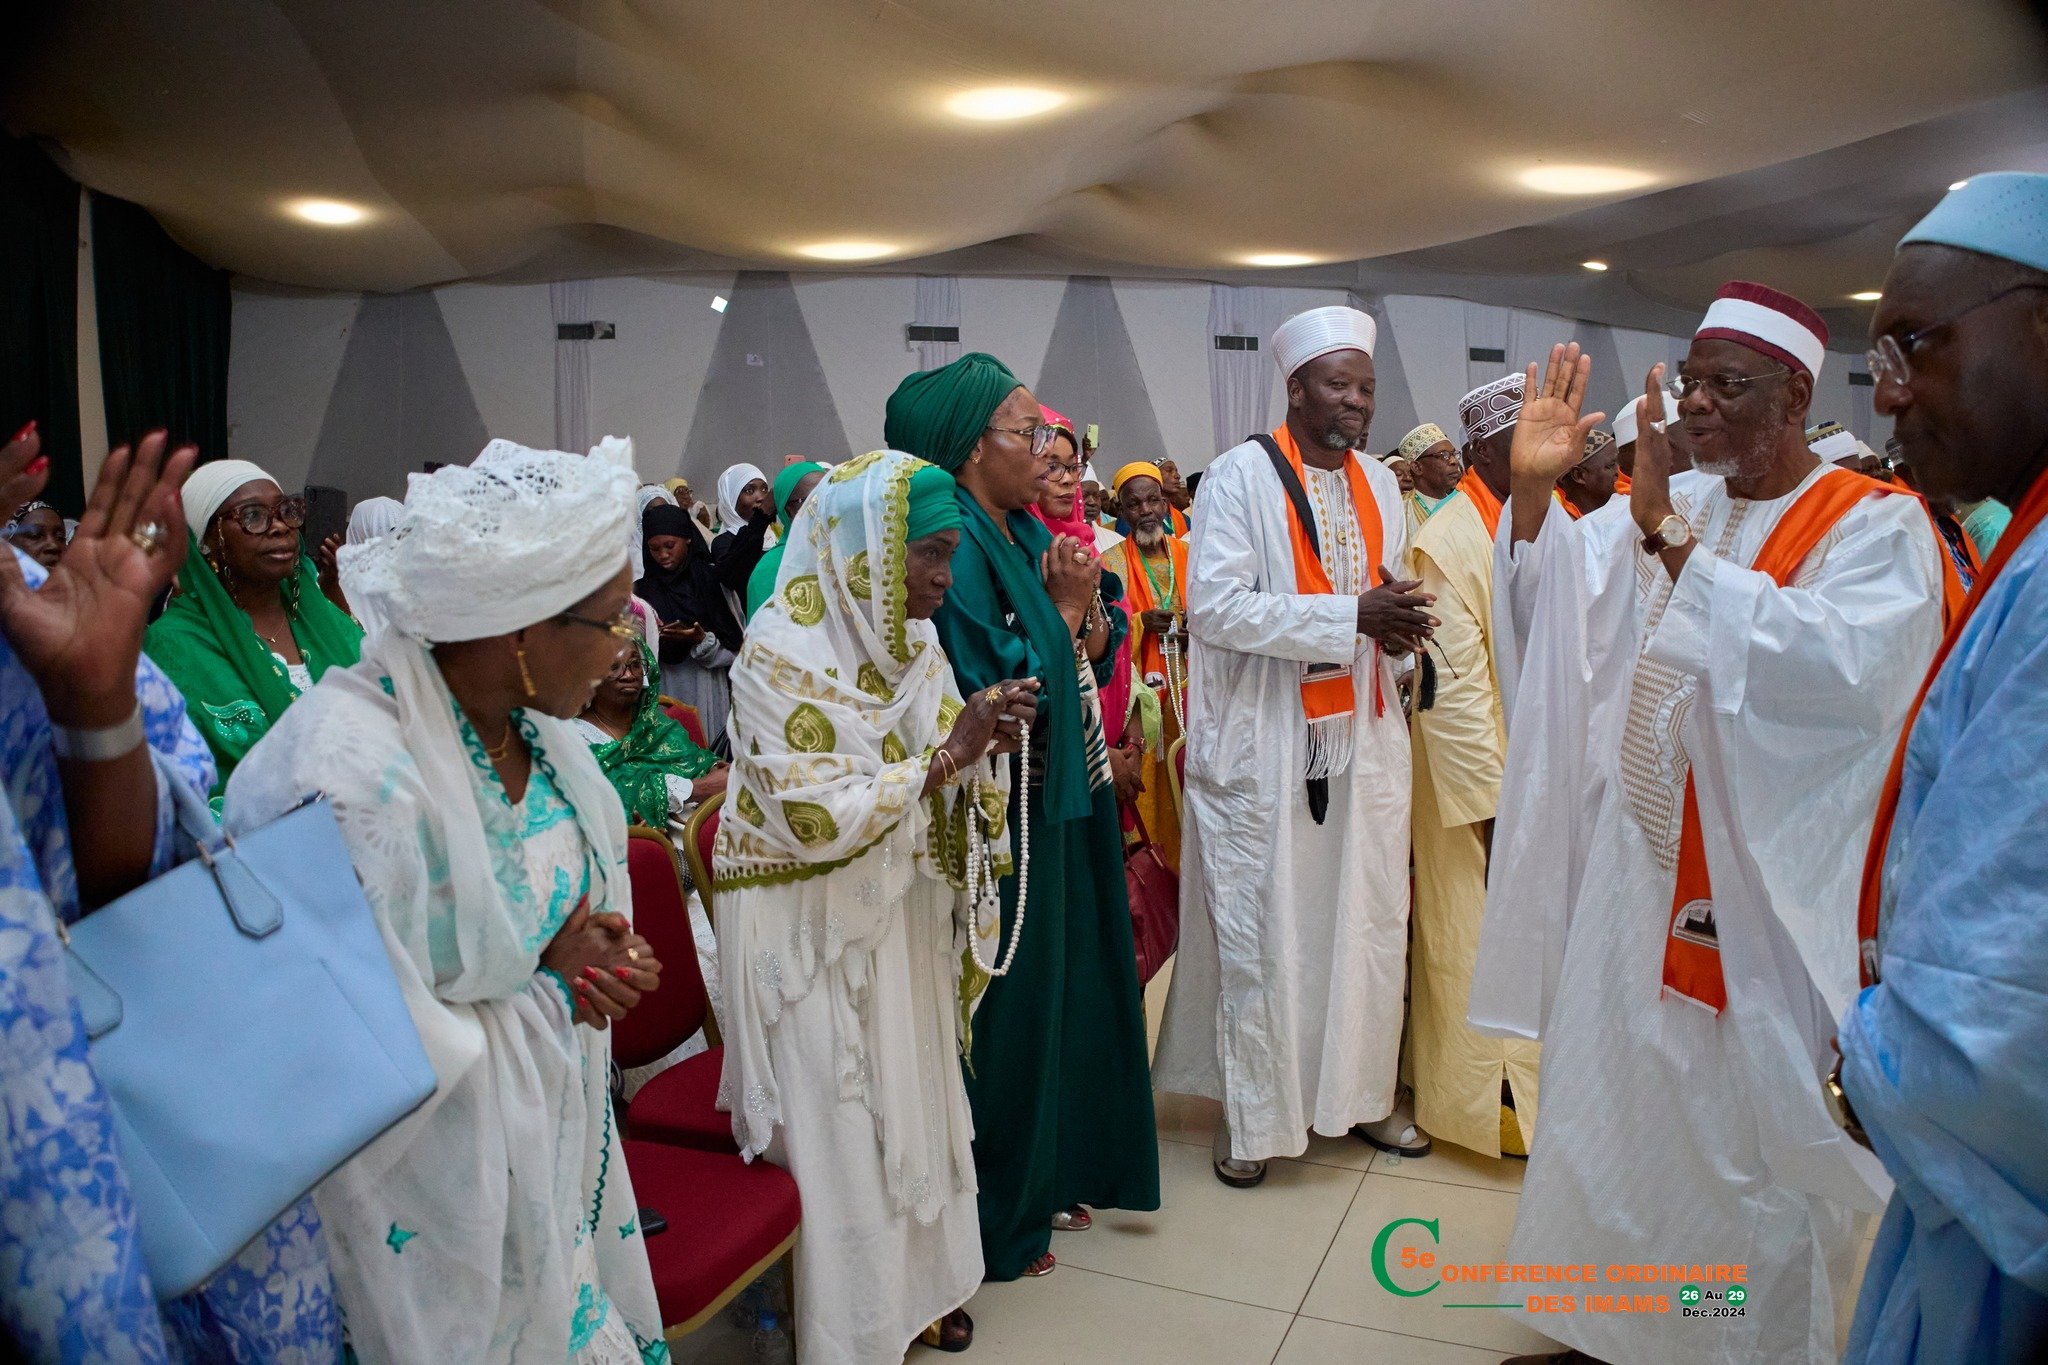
(952,769)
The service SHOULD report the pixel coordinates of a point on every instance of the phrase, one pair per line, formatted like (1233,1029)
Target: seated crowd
(1415,760)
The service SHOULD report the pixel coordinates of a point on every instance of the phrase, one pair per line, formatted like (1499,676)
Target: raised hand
(80,634)
(1070,573)
(1649,499)
(1550,435)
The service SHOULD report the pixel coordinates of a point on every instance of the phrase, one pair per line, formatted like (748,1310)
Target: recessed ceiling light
(1279,259)
(1867,295)
(1584,179)
(999,103)
(1595,266)
(718,303)
(1959,184)
(846,251)
(327,212)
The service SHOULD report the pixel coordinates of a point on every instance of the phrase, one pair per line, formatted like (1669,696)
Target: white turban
(373,517)
(1833,443)
(210,486)
(1320,331)
(494,546)
(1625,420)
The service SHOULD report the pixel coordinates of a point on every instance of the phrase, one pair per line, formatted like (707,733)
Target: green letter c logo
(1379,1257)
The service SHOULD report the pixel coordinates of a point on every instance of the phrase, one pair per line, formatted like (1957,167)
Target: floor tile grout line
(1396,1332)
(1335,1233)
(1173,1288)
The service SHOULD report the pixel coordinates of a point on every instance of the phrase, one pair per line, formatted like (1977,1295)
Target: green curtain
(163,331)
(39,300)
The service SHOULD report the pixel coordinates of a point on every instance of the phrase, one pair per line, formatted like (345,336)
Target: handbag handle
(255,910)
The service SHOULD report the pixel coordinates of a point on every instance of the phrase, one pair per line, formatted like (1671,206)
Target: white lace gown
(497,1222)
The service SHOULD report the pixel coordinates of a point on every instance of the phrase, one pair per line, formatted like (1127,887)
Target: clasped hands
(607,965)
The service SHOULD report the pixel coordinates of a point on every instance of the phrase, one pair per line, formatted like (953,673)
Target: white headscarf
(210,486)
(730,485)
(373,517)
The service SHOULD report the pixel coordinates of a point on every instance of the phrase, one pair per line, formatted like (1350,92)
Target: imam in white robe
(1286,998)
(1670,1134)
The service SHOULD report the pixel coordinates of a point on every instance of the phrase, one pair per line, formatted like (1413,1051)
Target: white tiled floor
(1277,1275)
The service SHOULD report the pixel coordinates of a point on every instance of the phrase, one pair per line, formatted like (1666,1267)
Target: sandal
(1075,1219)
(953,1333)
(1044,1265)
(1240,1175)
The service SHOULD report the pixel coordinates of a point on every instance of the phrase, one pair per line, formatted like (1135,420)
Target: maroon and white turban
(1768,322)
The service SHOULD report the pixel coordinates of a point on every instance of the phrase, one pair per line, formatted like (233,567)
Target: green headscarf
(934,503)
(785,485)
(234,688)
(654,749)
(761,582)
(939,415)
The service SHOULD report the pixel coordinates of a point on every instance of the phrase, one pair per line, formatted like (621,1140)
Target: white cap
(1320,331)
(1625,421)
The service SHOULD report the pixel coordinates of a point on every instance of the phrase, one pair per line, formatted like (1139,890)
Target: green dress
(1057,1071)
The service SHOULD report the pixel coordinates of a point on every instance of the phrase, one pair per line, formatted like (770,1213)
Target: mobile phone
(651,1221)
(1094,437)
(326,513)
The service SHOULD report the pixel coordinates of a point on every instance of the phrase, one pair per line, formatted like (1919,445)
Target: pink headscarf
(1075,523)
(1116,693)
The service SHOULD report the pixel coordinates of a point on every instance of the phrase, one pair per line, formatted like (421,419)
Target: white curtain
(570,302)
(938,305)
(1241,382)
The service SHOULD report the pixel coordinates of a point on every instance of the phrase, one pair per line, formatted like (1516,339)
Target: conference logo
(1692,1290)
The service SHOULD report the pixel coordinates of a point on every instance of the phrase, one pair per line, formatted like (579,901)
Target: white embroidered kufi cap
(1320,331)
(496,545)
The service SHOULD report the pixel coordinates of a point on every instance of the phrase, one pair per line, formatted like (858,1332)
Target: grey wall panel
(765,395)
(400,401)
(1091,373)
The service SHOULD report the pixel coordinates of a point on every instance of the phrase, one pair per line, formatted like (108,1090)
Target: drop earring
(525,678)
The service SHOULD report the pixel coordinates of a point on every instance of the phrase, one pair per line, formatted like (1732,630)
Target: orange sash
(1692,951)
(1622,484)
(1327,692)
(2025,518)
(1474,487)
(1138,592)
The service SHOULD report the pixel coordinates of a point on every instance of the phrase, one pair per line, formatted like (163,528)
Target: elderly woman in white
(848,942)
(496,1223)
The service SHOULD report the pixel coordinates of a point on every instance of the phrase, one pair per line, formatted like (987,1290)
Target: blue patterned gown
(1946,1059)
(72,1283)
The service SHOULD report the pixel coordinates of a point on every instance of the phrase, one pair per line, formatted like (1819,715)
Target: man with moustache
(1709,695)
(1287,999)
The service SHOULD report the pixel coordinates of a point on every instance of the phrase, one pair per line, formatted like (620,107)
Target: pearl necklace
(982,892)
(1176,679)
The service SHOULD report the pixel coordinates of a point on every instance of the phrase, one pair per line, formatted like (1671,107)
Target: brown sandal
(953,1333)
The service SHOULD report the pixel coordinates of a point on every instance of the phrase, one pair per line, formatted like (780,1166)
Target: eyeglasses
(255,519)
(1041,436)
(622,625)
(1892,357)
(1721,388)
(1069,467)
(626,665)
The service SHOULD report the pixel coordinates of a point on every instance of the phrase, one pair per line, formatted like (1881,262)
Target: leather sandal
(953,1333)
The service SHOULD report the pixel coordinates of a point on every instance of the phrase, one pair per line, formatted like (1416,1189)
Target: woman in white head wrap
(746,531)
(497,1222)
(373,517)
(841,925)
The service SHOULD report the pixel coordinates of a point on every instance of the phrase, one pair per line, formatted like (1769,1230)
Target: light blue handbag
(248,1028)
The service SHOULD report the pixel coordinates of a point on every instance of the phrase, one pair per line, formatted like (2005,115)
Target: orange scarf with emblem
(1329,695)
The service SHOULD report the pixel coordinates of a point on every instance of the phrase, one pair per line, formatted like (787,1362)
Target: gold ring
(994,695)
(632,954)
(148,537)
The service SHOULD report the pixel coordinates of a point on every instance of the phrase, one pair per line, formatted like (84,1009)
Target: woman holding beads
(1057,1075)
(861,807)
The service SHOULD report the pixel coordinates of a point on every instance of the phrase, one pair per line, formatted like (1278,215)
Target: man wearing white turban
(497,1222)
(1286,1004)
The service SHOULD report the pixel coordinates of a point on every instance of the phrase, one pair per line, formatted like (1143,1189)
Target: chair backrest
(685,715)
(699,837)
(664,1020)
(1177,769)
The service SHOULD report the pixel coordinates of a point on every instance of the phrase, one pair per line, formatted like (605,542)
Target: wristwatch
(1671,533)
(1839,1108)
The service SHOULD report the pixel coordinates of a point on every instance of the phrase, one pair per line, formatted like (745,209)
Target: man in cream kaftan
(1456,1071)
(1286,1000)
(1673,1134)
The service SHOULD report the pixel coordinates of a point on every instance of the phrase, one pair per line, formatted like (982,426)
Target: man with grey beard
(1710,692)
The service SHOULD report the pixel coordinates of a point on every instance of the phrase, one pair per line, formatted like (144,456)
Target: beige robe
(1458,747)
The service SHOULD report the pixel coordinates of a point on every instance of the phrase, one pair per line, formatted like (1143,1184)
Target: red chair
(685,715)
(728,1222)
(679,1106)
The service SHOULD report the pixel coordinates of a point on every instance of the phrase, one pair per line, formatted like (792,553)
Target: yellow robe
(1155,803)
(1458,744)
